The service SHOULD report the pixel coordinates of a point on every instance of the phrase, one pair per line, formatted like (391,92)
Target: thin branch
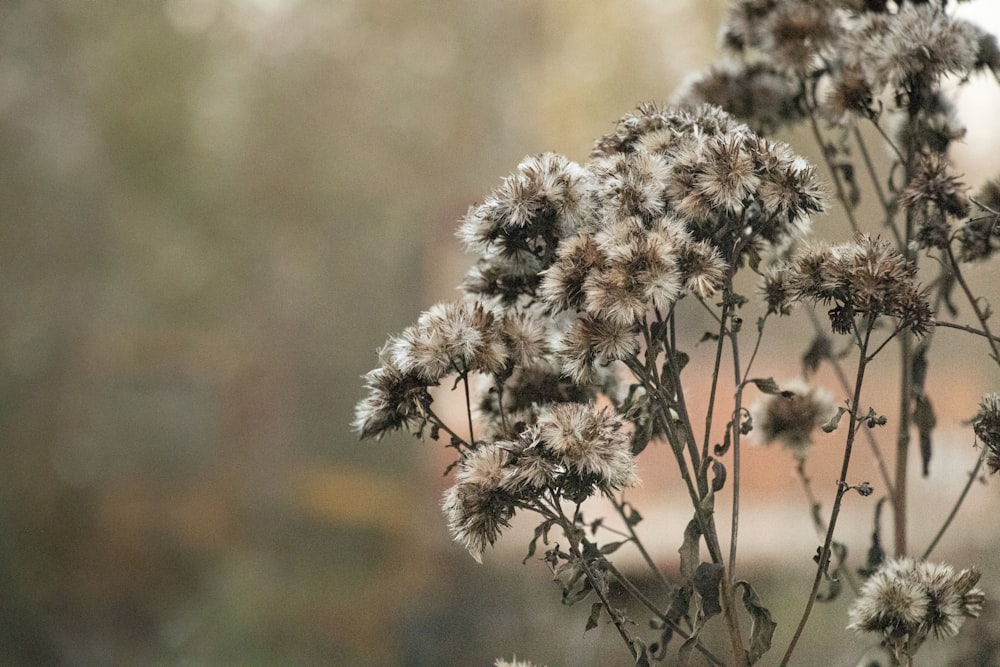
(958,503)
(842,488)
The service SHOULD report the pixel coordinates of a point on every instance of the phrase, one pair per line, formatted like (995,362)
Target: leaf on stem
(541,531)
(611,547)
(706,583)
(595,616)
(831,425)
(762,626)
(818,350)
(925,421)
(720,450)
(769,386)
(718,475)
(689,550)
(876,554)
(632,516)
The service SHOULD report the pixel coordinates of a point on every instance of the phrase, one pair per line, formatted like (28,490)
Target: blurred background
(214,213)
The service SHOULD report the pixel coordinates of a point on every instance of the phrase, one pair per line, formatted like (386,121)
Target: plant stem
(958,503)
(903,441)
(620,506)
(842,487)
(648,604)
(837,184)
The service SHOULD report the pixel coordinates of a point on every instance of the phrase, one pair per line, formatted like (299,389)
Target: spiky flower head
(591,444)
(986,425)
(396,400)
(865,277)
(451,337)
(931,198)
(907,600)
(791,415)
(477,507)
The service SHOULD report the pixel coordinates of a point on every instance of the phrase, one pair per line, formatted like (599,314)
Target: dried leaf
(595,616)
(925,421)
(831,425)
(706,583)
(762,627)
(689,550)
(718,475)
(768,386)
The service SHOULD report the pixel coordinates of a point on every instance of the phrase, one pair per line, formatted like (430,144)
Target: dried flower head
(907,600)
(932,196)
(454,337)
(629,184)
(865,277)
(792,415)
(986,425)
(395,400)
(477,507)
(979,237)
(591,445)
(914,47)
(589,342)
(757,93)
(531,209)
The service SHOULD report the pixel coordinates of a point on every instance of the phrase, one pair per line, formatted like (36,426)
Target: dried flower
(527,214)
(591,444)
(792,415)
(986,425)
(589,341)
(395,400)
(629,184)
(931,197)
(919,43)
(907,600)
(514,662)
(757,93)
(866,277)
(451,337)
(477,507)
(978,238)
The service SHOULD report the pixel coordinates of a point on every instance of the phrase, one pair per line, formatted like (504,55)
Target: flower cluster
(864,277)
(792,415)
(907,601)
(979,238)
(932,196)
(573,451)
(859,50)
(449,338)
(986,425)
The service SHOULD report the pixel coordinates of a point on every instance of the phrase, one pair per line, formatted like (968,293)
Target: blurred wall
(214,211)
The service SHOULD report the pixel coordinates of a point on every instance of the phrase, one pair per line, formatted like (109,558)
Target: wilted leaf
(632,517)
(612,547)
(718,475)
(720,450)
(767,385)
(925,421)
(689,550)
(706,583)
(831,425)
(541,531)
(818,350)
(762,627)
(641,654)
(595,616)
(876,554)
